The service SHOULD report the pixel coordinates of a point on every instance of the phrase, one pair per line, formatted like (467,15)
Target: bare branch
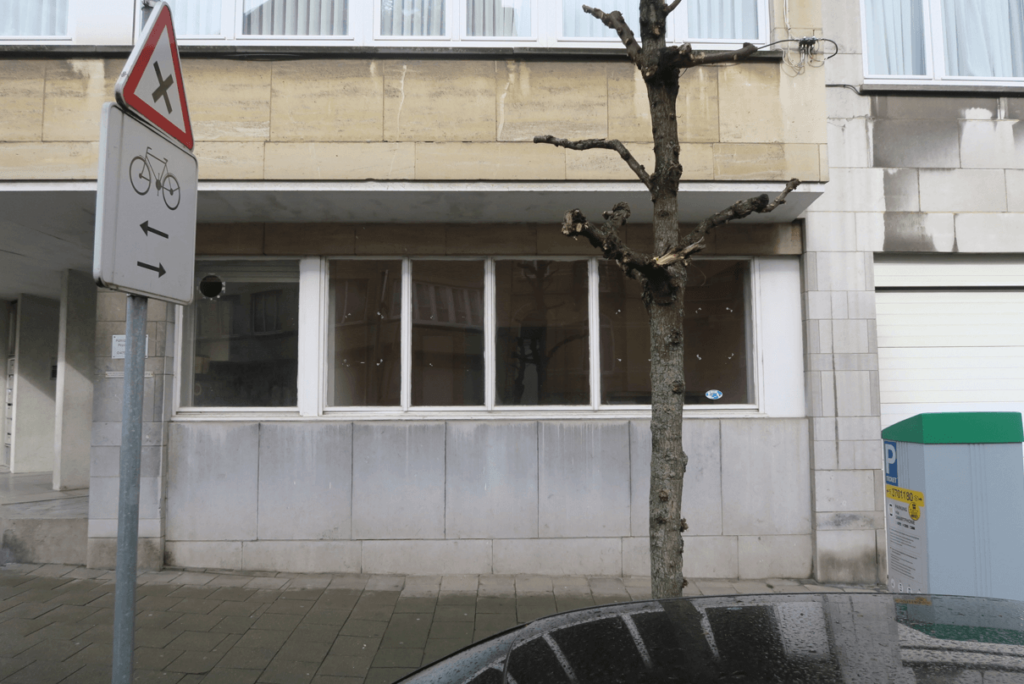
(615,22)
(601,144)
(606,238)
(683,56)
(741,209)
(669,8)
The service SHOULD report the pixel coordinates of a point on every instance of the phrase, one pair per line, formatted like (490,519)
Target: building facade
(396,363)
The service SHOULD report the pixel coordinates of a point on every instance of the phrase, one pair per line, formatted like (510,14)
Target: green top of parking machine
(958,428)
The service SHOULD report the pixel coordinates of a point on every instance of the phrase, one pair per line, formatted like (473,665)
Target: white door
(950,335)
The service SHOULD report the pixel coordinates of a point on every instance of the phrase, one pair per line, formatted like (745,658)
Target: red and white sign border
(135,67)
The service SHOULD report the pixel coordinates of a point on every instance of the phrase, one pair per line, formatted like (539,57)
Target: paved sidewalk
(230,628)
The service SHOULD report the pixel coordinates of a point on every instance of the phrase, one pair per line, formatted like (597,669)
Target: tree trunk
(668,460)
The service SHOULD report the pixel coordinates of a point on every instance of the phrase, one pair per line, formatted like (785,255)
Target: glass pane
(722,19)
(447,333)
(984,38)
(412,17)
(543,336)
(499,18)
(578,24)
(196,17)
(33,18)
(715,332)
(244,335)
(895,30)
(364,351)
(295,18)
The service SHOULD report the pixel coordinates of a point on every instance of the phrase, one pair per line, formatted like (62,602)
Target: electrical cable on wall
(805,53)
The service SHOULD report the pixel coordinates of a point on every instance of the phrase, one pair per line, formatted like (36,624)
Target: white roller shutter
(950,335)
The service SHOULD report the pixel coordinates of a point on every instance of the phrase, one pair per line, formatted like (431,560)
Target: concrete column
(76,367)
(35,385)
(106,432)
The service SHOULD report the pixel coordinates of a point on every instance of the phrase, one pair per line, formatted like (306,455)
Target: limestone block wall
(106,431)
(551,497)
(429,118)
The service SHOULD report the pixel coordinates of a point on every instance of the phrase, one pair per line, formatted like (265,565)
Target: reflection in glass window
(412,17)
(984,38)
(294,17)
(364,333)
(543,337)
(578,24)
(195,17)
(498,18)
(242,345)
(447,333)
(715,332)
(33,18)
(722,19)
(895,32)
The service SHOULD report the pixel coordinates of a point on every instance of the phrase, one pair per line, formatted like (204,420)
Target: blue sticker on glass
(891,476)
(713,395)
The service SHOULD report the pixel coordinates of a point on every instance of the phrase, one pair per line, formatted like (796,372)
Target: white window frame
(364,29)
(313,403)
(48,40)
(934,51)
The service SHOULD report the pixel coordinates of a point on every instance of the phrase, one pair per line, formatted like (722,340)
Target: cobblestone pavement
(219,628)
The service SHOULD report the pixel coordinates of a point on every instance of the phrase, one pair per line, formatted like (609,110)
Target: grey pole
(128,501)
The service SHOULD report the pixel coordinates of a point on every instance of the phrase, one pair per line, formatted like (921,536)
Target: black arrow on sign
(159,269)
(147,230)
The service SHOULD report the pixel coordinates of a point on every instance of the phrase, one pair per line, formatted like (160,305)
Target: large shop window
(241,335)
(33,18)
(423,334)
(537,23)
(974,41)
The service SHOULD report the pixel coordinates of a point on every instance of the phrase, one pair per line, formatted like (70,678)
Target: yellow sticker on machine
(908,496)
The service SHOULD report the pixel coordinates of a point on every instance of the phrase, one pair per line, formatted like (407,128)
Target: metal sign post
(145,246)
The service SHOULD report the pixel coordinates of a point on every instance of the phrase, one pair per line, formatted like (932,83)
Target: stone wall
(549,497)
(429,119)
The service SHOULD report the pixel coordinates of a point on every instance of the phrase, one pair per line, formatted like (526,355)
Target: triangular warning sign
(151,84)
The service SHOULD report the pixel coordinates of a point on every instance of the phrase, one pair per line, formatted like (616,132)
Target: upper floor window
(544,23)
(33,18)
(964,40)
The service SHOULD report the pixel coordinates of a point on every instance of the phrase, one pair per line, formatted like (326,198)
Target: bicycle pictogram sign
(143,174)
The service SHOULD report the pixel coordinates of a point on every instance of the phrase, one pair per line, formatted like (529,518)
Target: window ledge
(238,50)
(879,88)
(643,413)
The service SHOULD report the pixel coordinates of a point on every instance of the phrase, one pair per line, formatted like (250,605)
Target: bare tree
(662,275)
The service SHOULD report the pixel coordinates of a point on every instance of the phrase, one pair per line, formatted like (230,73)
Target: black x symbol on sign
(164,87)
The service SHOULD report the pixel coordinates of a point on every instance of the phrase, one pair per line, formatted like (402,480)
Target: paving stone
(407,630)
(20,627)
(266,583)
(92,654)
(193,578)
(441,648)
(304,651)
(462,613)
(318,616)
(497,585)
(62,630)
(241,657)
(157,677)
(263,638)
(98,634)
(356,582)
(9,666)
(91,674)
(529,608)
(155,619)
(155,638)
(398,657)
(277,622)
(385,583)
(264,596)
(196,641)
(158,603)
(367,628)
(346,666)
(223,675)
(415,604)
(196,606)
(489,624)
(317,634)
(229,581)
(386,675)
(70,613)
(496,604)
(103,616)
(27,610)
(365,611)
(241,609)
(156,658)
(53,650)
(355,646)
(155,590)
(456,599)
(326,679)
(451,630)
(285,607)
(234,624)
(196,662)
(12,646)
(196,623)
(570,602)
(43,672)
(192,592)
(289,672)
(294,592)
